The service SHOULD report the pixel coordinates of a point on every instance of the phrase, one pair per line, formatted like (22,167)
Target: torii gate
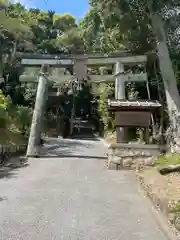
(79,64)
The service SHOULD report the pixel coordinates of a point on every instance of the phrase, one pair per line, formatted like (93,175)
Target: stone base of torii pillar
(33,149)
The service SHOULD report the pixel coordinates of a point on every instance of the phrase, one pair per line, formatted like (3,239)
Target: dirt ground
(164,192)
(168,184)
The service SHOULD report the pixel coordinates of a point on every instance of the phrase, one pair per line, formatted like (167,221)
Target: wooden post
(120,95)
(33,149)
(147,135)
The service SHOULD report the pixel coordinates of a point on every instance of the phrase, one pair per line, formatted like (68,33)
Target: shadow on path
(55,148)
(73,147)
(11,170)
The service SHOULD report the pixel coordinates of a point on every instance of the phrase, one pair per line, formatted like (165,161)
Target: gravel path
(69,194)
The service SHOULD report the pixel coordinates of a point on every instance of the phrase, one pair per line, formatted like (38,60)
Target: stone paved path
(73,197)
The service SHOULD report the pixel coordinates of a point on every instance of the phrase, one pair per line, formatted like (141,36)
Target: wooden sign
(132,119)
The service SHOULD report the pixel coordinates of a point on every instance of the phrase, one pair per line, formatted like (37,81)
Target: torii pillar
(33,149)
(120,95)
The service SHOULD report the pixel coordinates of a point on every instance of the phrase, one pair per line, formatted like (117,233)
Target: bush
(23,119)
(4,102)
(171,158)
(107,117)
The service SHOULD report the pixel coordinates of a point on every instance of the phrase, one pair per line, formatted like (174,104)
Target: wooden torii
(79,63)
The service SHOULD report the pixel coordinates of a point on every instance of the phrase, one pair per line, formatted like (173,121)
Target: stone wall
(131,158)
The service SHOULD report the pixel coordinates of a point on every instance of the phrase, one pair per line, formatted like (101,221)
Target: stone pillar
(120,95)
(33,149)
(119,83)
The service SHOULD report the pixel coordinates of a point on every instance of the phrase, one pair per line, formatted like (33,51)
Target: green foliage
(106,117)
(10,114)
(168,159)
(4,103)
(71,41)
(29,93)
(64,22)
(23,118)
(117,25)
(176,208)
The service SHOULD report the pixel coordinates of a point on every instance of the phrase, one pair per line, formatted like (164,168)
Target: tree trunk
(169,79)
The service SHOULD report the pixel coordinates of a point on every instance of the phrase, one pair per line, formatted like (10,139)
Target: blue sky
(75,7)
